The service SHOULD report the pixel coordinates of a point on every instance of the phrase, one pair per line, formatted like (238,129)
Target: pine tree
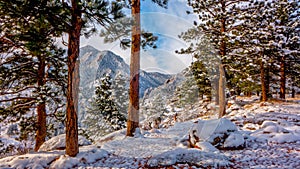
(120,93)
(121,30)
(157,107)
(271,41)
(287,24)
(83,16)
(220,24)
(133,109)
(187,93)
(28,52)
(73,18)
(103,117)
(202,79)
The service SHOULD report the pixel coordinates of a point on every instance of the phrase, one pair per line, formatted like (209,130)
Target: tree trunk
(41,108)
(282,79)
(73,53)
(221,82)
(216,88)
(267,80)
(133,109)
(222,102)
(76,83)
(263,83)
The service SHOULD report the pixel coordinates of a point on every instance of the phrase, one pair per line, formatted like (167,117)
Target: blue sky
(167,24)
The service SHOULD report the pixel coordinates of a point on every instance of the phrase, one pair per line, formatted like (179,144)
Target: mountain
(95,64)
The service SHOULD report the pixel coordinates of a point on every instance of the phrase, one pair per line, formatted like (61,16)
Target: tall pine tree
(84,16)
(221,23)
(30,61)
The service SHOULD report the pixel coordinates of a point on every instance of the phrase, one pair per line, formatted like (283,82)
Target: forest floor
(272,130)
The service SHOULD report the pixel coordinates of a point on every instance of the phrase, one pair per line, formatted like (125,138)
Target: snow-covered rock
(217,132)
(59,143)
(267,123)
(234,140)
(33,160)
(86,155)
(9,146)
(275,132)
(206,146)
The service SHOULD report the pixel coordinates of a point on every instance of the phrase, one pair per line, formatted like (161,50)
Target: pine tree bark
(216,88)
(41,123)
(263,83)
(282,78)
(73,54)
(221,82)
(76,83)
(133,109)
(268,82)
(222,103)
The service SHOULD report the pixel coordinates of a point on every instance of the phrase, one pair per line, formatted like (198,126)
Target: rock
(216,132)
(206,146)
(59,143)
(271,129)
(234,140)
(267,123)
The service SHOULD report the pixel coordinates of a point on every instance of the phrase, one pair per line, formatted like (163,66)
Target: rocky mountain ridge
(95,64)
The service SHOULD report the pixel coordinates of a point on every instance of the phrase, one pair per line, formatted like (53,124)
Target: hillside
(270,132)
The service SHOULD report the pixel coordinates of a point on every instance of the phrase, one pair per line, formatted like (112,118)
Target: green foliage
(103,117)
(120,93)
(155,108)
(121,30)
(187,92)
(27,45)
(276,38)
(245,29)
(202,79)
(27,128)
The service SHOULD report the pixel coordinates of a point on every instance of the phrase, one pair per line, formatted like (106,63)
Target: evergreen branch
(53,114)
(18,91)
(5,40)
(25,105)
(209,11)
(17,98)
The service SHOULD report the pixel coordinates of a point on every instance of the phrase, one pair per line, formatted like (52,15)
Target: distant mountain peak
(95,64)
(88,47)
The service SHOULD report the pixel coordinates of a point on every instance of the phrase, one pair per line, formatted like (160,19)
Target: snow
(268,131)
(193,156)
(32,160)
(273,139)
(218,132)
(86,155)
(234,140)
(59,143)
(206,146)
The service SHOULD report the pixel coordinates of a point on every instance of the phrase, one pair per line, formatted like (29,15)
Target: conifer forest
(149,84)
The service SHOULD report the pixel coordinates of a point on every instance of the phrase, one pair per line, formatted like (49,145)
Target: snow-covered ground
(274,130)
(271,132)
